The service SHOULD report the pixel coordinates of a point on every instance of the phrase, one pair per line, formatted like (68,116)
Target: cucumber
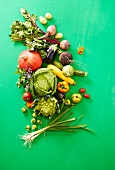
(80,73)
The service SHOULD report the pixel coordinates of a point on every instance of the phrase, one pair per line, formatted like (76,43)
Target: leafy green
(31,35)
(28,35)
(43,82)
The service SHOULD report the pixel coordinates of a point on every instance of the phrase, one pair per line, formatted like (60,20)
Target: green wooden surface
(92,24)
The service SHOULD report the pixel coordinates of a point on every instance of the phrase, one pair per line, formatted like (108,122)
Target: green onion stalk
(61,122)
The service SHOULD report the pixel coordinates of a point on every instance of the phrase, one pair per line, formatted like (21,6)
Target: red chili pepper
(63,87)
(87,96)
(82,90)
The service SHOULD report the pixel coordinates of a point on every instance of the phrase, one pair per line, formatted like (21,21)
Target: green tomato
(67,102)
(76,98)
(24,109)
(27,127)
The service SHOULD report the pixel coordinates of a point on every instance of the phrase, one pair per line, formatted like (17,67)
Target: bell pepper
(63,87)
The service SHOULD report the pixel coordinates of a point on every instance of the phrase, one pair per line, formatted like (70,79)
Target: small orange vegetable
(30,104)
(63,87)
(80,50)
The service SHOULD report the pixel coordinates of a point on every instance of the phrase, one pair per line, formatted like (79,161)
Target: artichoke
(43,82)
(46,106)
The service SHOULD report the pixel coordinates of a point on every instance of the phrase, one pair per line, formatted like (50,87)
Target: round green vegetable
(39,121)
(27,127)
(43,83)
(34,115)
(68,70)
(46,106)
(34,127)
(33,120)
(24,109)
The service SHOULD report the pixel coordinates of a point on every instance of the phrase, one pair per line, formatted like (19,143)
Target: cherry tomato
(87,96)
(82,90)
(27,96)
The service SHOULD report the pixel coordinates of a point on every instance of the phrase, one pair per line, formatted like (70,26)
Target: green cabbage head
(43,82)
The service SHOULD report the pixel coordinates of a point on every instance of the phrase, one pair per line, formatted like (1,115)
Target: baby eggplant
(51,52)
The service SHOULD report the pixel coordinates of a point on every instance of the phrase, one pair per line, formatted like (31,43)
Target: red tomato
(82,90)
(27,97)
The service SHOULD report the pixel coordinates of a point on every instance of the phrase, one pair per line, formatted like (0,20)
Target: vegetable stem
(60,115)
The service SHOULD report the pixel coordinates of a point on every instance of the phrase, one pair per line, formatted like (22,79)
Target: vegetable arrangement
(46,82)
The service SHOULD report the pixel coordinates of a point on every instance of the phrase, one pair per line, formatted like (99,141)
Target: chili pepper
(63,87)
(80,50)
